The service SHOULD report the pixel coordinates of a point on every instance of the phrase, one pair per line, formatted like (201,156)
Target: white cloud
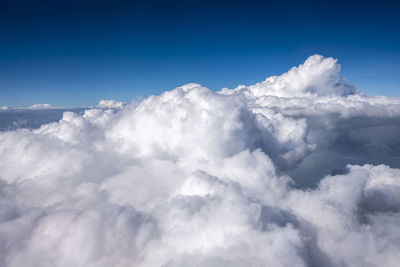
(199,178)
(318,76)
(354,217)
(110,104)
(41,106)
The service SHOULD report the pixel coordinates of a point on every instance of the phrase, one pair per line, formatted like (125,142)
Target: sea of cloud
(298,170)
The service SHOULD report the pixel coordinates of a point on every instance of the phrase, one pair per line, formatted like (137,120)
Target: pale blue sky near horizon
(75,53)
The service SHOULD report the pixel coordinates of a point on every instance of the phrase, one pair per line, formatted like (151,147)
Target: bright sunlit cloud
(301,169)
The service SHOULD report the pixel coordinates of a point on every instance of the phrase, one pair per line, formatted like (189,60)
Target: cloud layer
(110,104)
(41,106)
(298,170)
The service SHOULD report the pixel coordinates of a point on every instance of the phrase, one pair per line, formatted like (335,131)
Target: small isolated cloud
(5,108)
(111,104)
(301,169)
(41,106)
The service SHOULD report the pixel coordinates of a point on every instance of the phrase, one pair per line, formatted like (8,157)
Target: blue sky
(78,52)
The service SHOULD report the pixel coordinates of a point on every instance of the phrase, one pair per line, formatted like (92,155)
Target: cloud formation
(199,178)
(110,104)
(41,106)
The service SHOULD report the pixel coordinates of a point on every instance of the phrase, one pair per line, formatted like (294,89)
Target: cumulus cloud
(17,118)
(110,104)
(193,177)
(41,106)
(317,76)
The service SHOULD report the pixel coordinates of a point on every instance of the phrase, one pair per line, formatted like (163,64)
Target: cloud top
(317,76)
(193,177)
(110,104)
(41,106)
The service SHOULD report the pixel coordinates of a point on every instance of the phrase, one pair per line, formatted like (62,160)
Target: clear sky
(78,52)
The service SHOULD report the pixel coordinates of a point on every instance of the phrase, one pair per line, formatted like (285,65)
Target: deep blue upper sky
(78,52)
